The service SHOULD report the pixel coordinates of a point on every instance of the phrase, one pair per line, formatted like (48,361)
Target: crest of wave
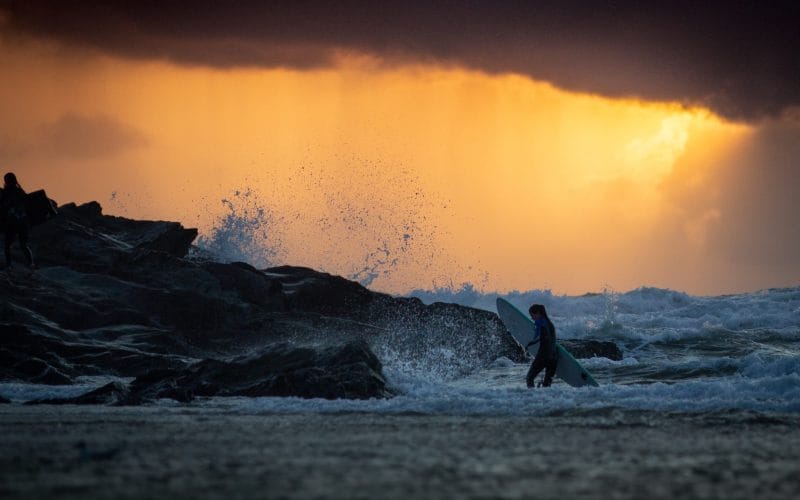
(247,231)
(369,221)
(370,225)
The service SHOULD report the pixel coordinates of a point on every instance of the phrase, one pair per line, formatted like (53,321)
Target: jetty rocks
(136,300)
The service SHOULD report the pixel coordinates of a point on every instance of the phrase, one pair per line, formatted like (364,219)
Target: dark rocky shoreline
(119,297)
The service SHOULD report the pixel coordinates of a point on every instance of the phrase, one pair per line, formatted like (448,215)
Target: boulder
(349,371)
(112,393)
(582,349)
(29,354)
(90,241)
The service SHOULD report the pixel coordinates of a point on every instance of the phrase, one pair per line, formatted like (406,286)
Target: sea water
(681,353)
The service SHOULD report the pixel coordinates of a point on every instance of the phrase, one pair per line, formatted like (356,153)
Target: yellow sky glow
(508,183)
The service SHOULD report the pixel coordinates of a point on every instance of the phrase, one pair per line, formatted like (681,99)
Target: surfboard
(522,328)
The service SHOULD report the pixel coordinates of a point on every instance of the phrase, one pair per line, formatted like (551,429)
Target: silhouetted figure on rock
(15,218)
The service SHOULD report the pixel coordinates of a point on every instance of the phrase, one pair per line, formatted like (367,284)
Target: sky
(571,146)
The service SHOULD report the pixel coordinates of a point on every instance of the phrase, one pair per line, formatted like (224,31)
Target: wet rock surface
(125,298)
(351,371)
(582,349)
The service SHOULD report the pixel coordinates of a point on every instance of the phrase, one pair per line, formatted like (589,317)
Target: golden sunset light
(401,249)
(424,175)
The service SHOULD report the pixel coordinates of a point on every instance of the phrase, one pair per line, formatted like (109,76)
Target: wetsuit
(12,204)
(547,355)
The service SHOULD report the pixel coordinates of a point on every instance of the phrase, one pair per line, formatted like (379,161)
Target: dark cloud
(72,136)
(743,208)
(75,136)
(739,58)
(759,201)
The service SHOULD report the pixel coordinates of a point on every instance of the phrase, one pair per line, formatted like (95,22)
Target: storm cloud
(87,137)
(73,136)
(738,58)
(740,211)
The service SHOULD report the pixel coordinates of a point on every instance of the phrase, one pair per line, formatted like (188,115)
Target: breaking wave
(362,224)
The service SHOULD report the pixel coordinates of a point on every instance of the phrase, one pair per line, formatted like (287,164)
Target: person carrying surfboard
(15,218)
(547,356)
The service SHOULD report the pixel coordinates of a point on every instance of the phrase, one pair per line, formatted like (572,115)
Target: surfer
(547,356)
(15,218)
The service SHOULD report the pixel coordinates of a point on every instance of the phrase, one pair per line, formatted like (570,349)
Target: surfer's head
(537,311)
(10,179)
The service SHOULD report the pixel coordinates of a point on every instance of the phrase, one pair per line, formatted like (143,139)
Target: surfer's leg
(549,372)
(536,367)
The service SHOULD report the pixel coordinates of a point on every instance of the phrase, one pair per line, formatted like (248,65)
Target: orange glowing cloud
(406,177)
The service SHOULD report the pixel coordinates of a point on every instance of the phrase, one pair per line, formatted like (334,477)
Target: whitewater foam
(682,353)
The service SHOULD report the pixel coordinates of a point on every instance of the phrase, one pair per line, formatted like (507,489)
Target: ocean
(704,404)
(681,353)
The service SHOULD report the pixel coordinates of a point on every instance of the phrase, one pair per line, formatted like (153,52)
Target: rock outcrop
(351,371)
(125,298)
(592,349)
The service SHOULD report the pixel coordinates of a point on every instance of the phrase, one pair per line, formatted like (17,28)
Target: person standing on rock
(547,356)
(15,218)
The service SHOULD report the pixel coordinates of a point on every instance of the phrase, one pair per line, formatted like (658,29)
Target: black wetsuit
(547,355)
(15,221)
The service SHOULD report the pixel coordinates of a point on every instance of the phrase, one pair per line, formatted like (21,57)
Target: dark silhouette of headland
(128,298)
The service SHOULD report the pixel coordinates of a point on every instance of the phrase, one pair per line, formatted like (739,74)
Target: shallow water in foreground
(206,452)
(705,404)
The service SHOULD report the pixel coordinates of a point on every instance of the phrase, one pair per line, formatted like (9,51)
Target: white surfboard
(523,330)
